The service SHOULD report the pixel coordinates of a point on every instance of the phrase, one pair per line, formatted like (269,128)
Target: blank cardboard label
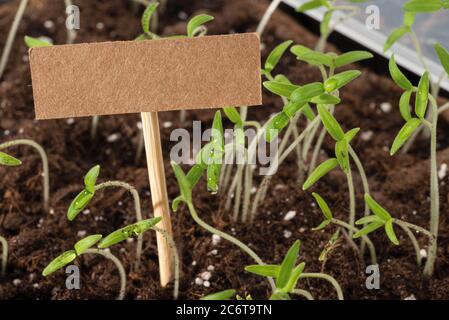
(142,76)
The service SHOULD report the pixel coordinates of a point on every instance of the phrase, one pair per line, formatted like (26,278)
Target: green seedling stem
(108,255)
(267,16)
(328,278)
(45,169)
(4,244)
(434,189)
(137,207)
(11,35)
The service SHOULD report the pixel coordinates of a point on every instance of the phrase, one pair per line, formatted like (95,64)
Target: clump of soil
(400,183)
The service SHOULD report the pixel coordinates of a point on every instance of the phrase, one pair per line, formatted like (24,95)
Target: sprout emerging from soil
(287,275)
(11,161)
(84,246)
(412,125)
(82,200)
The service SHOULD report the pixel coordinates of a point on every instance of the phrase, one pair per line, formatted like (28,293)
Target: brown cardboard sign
(146,76)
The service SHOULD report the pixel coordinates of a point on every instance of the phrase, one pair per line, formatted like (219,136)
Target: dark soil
(35,237)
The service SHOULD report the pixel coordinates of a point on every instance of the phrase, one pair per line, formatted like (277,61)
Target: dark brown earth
(35,237)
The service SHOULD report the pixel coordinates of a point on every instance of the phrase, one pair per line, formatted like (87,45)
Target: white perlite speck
(290,215)
(16,282)
(113,137)
(210,268)
(366,135)
(423,253)
(81,233)
(199,281)
(442,172)
(410,297)
(385,107)
(167,124)
(215,239)
(206,284)
(206,275)
(287,234)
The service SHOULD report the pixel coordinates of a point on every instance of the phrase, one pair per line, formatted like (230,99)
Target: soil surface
(35,236)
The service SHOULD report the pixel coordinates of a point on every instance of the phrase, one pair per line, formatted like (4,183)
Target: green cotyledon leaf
(222,295)
(9,161)
(403,135)
(276,55)
(422,96)
(130,231)
(79,203)
(59,262)
(91,178)
(319,172)
(331,124)
(86,243)
(287,265)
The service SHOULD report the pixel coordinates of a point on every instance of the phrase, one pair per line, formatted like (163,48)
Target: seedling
(185,186)
(84,246)
(382,218)
(8,160)
(329,219)
(83,199)
(331,245)
(222,295)
(287,275)
(413,122)
(137,230)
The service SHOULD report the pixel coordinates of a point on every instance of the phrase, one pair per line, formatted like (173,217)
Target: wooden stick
(156,173)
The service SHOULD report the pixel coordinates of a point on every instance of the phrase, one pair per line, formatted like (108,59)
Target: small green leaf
(316,58)
(423,6)
(377,208)
(268,270)
(307,92)
(330,123)
(296,273)
(282,78)
(342,154)
(280,88)
(146,16)
(308,112)
(275,125)
(299,50)
(197,22)
(9,161)
(395,35)
(86,243)
(443,55)
(59,262)
(130,231)
(405,132)
(390,232)
(368,229)
(319,172)
(409,19)
(351,134)
(322,225)
(176,202)
(422,96)
(404,105)
(35,42)
(222,295)
(397,75)
(91,178)
(369,219)
(183,182)
(340,80)
(323,206)
(325,98)
(276,54)
(310,5)
(325,22)
(78,204)
(291,108)
(351,57)
(233,115)
(287,265)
